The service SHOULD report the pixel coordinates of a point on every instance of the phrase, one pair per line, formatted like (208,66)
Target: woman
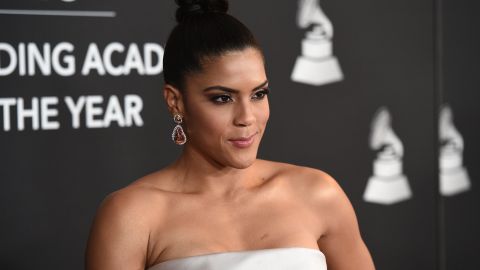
(218,206)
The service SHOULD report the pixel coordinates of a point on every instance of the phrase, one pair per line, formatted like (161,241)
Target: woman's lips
(243,142)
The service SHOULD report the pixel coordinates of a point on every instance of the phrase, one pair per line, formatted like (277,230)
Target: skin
(217,197)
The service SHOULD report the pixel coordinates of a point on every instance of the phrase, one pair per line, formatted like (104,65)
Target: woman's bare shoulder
(121,211)
(119,233)
(313,184)
(302,175)
(122,225)
(136,204)
(136,199)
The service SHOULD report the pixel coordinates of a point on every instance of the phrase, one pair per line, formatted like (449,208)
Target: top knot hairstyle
(188,7)
(204,31)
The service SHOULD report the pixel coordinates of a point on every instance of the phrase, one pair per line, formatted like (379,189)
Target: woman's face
(226,108)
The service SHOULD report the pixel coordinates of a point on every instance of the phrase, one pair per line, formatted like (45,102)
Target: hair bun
(189,7)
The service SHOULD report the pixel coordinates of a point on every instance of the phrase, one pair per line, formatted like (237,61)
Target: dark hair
(204,30)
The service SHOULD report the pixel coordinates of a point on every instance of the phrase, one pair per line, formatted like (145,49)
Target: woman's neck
(197,172)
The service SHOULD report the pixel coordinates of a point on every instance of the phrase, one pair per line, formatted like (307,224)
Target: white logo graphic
(316,65)
(58,12)
(453,176)
(388,185)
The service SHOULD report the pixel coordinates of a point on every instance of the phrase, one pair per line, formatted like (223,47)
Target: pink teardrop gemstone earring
(178,135)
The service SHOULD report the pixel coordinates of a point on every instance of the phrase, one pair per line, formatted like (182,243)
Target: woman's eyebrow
(231,90)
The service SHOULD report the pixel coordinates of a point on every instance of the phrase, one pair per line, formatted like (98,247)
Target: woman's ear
(174,99)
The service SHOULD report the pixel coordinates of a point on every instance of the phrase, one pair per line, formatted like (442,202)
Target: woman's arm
(119,235)
(341,243)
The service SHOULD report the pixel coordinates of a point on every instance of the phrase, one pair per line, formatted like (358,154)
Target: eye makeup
(221,99)
(261,93)
(227,97)
(231,90)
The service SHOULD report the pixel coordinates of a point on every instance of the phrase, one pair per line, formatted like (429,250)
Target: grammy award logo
(453,176)
(317,65)
(388,184)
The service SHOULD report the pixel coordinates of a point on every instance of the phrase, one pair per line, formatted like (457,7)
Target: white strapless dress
(288,258)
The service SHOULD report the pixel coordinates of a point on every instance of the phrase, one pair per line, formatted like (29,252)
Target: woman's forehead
(239,68)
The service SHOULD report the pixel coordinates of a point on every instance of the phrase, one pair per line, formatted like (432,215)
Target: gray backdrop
(410,56)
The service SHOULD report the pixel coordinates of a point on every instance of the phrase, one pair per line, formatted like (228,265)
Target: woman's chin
(244,162)
(243,165)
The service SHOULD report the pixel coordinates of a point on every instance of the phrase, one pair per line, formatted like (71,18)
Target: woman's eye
(261,94)
(221,99)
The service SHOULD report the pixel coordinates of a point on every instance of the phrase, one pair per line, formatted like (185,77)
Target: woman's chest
(205,228)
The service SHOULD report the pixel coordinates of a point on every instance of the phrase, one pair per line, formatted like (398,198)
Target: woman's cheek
(214,120)
(263,113)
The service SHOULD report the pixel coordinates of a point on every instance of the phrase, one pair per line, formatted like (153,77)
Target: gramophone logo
(453,176)
(388,184)
(316,65)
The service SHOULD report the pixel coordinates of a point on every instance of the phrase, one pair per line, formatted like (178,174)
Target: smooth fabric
(289,258)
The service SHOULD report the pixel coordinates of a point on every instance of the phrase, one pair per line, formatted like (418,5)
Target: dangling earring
(178,135)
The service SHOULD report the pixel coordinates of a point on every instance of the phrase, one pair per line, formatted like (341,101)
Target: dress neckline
(314,250)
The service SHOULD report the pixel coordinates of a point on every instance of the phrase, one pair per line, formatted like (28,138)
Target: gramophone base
(454,181)
(387,190)
(317,71)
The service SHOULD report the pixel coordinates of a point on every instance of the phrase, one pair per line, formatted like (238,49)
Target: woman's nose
(244,115)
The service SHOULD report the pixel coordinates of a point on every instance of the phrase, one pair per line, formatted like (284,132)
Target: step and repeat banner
(355,92)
